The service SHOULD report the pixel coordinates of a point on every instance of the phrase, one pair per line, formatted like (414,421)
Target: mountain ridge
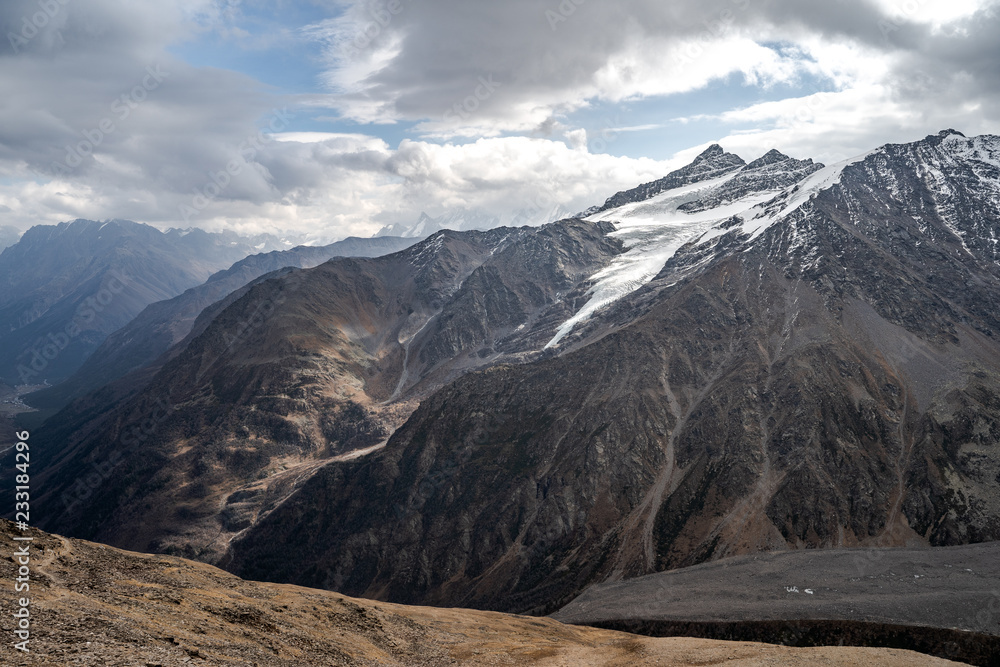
(164,324)
(738,358)
(818,372)
(311,365)
(70,285)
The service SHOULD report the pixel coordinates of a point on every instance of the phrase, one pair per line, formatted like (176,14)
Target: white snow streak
(654,230)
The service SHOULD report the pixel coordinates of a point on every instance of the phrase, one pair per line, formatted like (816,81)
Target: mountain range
(163,324)
(8,236)
(768,366)
(68,286)
(737,358)
(475,220)
(305,366)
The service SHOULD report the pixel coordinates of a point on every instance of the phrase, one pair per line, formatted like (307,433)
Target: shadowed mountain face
(304,367)
(820,370)
(164,324)
(67,286)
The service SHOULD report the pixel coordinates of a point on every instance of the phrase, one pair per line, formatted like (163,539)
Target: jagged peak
(773,156)
(936,139)
(716,153)
(713,151)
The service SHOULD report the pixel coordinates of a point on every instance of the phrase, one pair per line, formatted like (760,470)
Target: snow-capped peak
(655,228)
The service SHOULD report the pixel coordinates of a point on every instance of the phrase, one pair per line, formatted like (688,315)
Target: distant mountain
(66,287)
(464,220)
(164,324)
(8,236)
(256,243)
(304,367)
(426,225)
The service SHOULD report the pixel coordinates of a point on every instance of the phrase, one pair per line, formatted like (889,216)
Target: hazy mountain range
(163,324)
(466,220)
(8,236)
(736,358)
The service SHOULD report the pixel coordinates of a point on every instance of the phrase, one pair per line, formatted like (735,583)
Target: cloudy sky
(335,117)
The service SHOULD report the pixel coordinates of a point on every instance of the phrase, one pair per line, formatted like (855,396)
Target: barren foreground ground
(94,605)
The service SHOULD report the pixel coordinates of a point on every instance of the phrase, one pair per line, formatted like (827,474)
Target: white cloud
(337,185)
(936,13)
(477,71)
(414,69)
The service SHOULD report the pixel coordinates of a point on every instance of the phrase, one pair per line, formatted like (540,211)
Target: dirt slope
(95,605)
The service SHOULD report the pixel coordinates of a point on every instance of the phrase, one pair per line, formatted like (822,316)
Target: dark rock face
(714,162)
(773,171)
(302,367)
(825,374)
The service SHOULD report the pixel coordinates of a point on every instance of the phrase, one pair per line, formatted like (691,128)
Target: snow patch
(655,229)
(766,215)
(652,231)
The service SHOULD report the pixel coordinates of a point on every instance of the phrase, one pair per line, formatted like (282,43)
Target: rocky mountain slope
(303,368)
(95,605)
(713,163)
(739,358)
(66,287)
(164,324)
(817,366)
(942,601)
